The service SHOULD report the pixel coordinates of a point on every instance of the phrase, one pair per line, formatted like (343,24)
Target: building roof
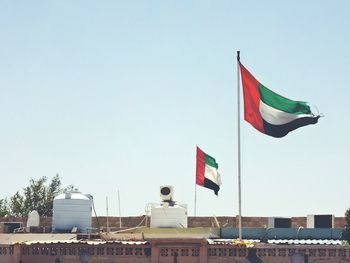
(8,239)
(88,242)
(250,242)
(305,241)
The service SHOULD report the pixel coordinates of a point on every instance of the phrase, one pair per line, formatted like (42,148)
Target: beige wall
(174,250)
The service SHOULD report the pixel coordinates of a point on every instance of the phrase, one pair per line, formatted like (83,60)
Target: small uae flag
(271,113)
(207,171)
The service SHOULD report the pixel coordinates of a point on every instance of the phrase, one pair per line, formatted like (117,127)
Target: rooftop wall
(205,221)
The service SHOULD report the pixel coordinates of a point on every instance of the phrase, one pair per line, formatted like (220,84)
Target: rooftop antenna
(120,214)
(107,213)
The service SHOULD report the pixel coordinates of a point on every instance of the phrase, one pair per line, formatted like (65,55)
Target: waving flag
(207,172)
(271,113)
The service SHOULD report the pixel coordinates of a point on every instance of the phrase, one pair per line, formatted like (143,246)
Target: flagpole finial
(238,56)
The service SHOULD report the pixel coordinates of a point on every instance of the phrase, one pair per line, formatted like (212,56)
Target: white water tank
(169,215)
(70,210)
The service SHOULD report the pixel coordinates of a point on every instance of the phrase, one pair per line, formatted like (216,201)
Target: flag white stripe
(278,117)
(212,174)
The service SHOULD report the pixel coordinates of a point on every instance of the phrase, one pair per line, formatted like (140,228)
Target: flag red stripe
(251,99)
(200,167)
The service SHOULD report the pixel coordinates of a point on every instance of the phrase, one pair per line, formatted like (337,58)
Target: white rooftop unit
(279,222)
(71,210)
(164,215)
(33,219)
(166,192)
(168,213)
(320,221)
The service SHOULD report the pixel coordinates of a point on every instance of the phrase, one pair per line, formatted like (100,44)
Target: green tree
(53,190)
(4,207)
(346,230)
(37,196)
(16,204)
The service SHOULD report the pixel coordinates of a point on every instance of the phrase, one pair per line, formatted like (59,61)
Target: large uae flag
(271,113)
(207,171)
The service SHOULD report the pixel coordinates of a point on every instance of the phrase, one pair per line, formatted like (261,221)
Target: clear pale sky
(117,94)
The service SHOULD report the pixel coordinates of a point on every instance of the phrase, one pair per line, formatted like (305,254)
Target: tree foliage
(36,196)
(346,230)
(3,207)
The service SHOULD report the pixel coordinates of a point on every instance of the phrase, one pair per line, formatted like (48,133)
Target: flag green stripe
(211,161)
(281,103)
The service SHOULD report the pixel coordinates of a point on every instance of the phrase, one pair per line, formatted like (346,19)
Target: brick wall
(203,221)
(253,221)
(113,222)
(339,222)
(298,222)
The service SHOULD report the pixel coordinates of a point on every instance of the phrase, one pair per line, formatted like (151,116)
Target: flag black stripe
(279,131)
(211,185)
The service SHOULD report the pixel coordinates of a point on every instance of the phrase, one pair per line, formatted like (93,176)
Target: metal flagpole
(239,148)
(195,188)
(195,198)
(107,214)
